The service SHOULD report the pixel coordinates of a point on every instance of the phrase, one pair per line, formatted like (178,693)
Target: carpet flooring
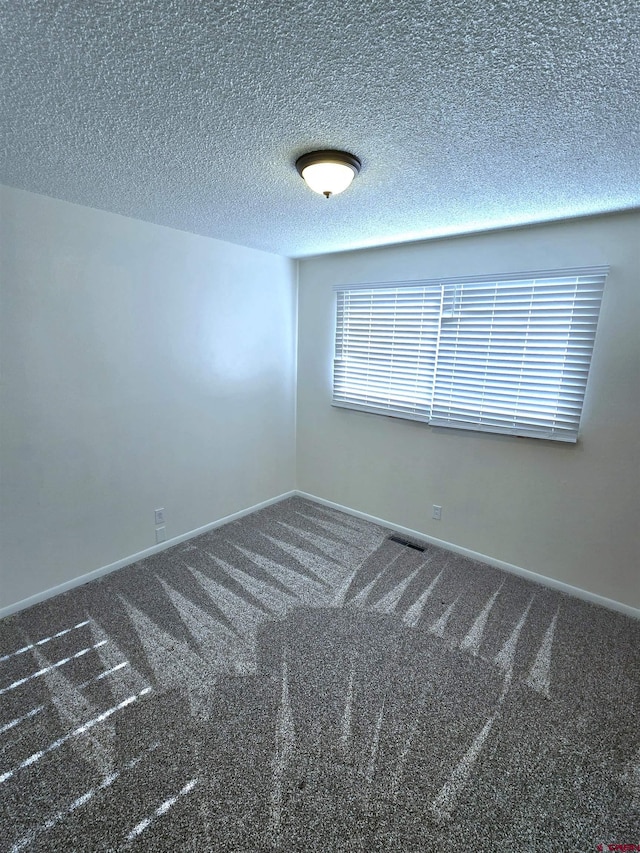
(297,681)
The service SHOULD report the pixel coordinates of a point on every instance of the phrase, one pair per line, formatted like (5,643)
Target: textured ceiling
(466,114)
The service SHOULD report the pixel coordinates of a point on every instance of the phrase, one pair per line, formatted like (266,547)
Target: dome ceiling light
(328,172)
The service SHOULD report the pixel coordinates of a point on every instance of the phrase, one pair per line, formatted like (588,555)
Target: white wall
(567,512)
(142,367)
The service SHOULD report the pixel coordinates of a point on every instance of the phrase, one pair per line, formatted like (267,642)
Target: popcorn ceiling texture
(295,681)
(466,114)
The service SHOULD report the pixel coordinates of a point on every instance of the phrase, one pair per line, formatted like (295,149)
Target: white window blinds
(386,343)
(505,354)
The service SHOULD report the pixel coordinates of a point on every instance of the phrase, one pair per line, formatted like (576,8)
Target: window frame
(592,279)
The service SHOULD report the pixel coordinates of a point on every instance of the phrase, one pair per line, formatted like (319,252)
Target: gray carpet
(295,681)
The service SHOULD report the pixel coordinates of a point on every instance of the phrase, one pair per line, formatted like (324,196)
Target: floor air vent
(406,542)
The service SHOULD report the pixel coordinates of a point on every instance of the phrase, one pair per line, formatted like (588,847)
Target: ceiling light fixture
(328,172)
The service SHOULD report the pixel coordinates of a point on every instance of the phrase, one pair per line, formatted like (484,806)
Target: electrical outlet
(159,515)
(161,534)
(437,512)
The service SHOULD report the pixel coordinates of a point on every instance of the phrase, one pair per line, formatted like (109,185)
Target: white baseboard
(133,558)
(576,591)
(584,594)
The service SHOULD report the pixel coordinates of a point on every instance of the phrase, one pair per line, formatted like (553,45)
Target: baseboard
(133,558)
(543,580)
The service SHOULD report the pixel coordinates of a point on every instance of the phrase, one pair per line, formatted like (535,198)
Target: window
(506,354)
